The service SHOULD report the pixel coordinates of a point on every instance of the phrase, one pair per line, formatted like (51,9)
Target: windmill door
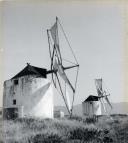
(10,113)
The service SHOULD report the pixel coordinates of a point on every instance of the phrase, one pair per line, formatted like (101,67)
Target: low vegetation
(112,129)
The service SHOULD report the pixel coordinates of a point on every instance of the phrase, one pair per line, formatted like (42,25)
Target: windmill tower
(28,94)
(93,104)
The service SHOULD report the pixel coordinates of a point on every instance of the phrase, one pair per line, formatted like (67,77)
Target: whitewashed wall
(34,96)
(91,108)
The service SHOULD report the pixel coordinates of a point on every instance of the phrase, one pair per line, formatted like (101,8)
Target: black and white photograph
(64,71)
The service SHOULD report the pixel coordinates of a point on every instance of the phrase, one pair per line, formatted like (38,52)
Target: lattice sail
(68,98)
(59,75)
(98,83)
(54,35)
(62,74)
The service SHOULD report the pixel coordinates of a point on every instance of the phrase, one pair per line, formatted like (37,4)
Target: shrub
(46,138)
(107,140)
(84,134)
(91,120)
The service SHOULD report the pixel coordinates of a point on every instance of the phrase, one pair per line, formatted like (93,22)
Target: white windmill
(59,77)
(30,94)
(93,104)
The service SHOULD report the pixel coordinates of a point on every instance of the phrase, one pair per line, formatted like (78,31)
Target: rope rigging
(67,41)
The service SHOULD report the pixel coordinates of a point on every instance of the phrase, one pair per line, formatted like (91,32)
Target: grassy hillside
(75,130)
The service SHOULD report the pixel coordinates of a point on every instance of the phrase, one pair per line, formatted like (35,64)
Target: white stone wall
(34,96)
(91,108)
(58,114)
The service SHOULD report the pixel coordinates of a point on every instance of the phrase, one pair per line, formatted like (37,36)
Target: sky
(95,33)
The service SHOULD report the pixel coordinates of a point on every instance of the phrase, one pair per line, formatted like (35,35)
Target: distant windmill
(102,94)
(59,77)
(93,104)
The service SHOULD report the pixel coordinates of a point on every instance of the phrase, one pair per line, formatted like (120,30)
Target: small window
(91,102)
(14,102)
(16,82)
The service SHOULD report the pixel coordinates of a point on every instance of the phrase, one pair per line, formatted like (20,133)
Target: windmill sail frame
(57,67)
(102,94)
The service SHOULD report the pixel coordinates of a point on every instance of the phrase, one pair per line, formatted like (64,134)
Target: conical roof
(31,70)
(91,98)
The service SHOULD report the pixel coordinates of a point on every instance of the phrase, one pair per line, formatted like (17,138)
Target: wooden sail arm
(65,68)
(70,67)
(102,96)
